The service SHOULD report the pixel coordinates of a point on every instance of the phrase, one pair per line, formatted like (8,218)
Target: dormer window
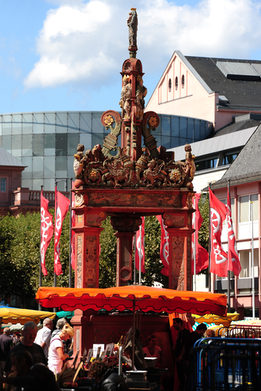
(170,85)
(176,82)
(183,81)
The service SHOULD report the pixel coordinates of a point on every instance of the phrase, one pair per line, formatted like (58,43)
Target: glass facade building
(46,142)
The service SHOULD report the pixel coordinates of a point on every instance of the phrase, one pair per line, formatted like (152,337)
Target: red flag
(164,247)
(198,251)
(46,231)
(233,258)
(218,256)
(140,250)
(72,232)
(62,205)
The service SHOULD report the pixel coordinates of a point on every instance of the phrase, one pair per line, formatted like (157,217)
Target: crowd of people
(33,361)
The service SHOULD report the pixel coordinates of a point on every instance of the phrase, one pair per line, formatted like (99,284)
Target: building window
(176,82)
(3,185)
(206,164)
(229,158)
(246,205)
(183,81)
(246,263)
(170,85)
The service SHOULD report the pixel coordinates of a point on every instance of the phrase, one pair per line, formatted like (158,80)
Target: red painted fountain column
(179,227)
(87,230)
(126,226)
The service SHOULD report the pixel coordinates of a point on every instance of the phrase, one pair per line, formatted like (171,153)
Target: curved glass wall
(46,142)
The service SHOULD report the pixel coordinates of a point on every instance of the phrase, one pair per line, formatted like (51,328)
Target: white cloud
(87,41)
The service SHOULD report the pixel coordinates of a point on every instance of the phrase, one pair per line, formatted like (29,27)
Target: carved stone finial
(132,23)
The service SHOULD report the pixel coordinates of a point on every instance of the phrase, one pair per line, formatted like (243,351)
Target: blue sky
(67,54)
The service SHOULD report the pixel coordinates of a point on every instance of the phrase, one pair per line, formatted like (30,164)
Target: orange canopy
(134,298)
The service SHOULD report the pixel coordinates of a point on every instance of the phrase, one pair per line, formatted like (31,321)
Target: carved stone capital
(125,223)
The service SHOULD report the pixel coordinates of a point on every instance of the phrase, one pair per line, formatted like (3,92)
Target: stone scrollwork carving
(150,122)
(105,170)
(112,121)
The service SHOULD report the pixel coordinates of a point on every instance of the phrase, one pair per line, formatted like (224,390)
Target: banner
(140,250)
(198,252)
(62,205)
(46,231)
(233,258)
(218,257)
(164,247)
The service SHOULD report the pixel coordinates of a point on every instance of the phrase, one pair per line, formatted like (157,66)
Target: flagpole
(228,272)
(252,261)
(55,203)
(140,256)
(209,240)
(194,251)
(70,237)
(40,264)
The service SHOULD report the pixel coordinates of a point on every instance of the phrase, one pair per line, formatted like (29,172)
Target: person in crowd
(59,325)
(28,376)
(152,349)
(43,336)
(198,333)
(57,356)
(182,352)
(209,333)
(16,337)
(5,347)
(27,344)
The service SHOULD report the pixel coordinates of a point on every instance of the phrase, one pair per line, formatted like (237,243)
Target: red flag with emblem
(199,252)
(140,250)
(164,247)
(46,231)
(72,232)
(233,258)
(62,205)
(218,257)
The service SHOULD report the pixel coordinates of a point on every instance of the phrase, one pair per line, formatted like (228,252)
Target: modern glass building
(46,142)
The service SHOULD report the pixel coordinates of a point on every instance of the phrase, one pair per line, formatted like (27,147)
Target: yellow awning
(21,315)
(211,318)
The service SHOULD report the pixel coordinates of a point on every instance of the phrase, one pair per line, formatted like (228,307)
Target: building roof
(245,121)
(6,159)
(217,144)
(238,82)
(247,166)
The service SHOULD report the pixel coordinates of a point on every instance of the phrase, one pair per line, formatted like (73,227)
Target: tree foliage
(20,254)
(203,236)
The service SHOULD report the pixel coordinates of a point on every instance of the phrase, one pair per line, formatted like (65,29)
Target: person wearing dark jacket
(27,344)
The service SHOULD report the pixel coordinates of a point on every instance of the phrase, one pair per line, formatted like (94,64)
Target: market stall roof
(134,298)
(22,315)
(218,320)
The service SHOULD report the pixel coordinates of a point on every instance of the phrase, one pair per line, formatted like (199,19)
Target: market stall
(133,307)
(23,315)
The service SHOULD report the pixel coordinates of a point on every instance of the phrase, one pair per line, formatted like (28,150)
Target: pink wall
(13,180)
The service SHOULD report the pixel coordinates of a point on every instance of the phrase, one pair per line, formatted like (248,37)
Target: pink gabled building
(212,89)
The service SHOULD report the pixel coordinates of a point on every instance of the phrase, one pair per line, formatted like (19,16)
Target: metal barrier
(226,364)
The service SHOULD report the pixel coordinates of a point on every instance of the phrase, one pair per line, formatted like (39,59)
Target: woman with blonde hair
(56,354)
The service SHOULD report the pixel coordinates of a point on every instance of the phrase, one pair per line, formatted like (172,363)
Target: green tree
(203,236)
(107,272)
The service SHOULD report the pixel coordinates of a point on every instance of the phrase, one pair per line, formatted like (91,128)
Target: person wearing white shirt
(43,336)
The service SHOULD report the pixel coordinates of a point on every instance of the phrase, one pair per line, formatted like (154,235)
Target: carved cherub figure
(190,167)
(125,101)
